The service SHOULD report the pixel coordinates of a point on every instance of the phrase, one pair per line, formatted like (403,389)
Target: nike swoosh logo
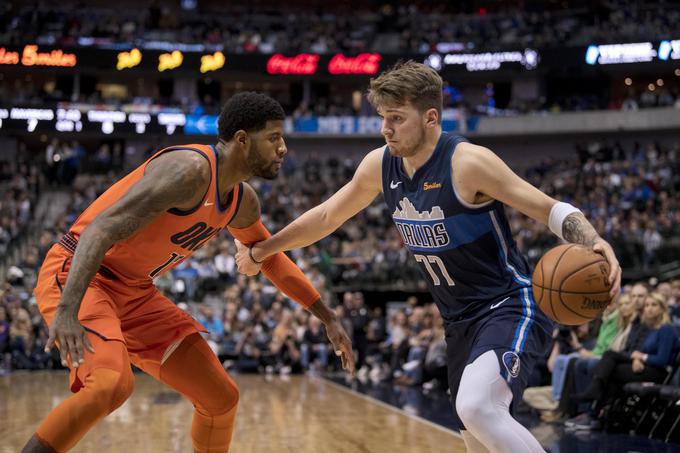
(206,204)
(498,304)
(394,185)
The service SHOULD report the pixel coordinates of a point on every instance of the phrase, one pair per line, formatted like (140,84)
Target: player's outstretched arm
(174,180)
(325,218)
(478,171)
(247,228)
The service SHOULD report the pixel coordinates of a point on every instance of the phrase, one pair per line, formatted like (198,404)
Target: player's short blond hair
(408,82)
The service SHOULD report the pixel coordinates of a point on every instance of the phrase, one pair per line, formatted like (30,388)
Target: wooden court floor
(276,415)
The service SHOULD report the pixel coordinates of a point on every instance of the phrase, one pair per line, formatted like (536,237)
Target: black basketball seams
(580,269)
(559,295)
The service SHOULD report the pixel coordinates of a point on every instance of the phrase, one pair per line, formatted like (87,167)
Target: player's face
(403,127)
(267,149)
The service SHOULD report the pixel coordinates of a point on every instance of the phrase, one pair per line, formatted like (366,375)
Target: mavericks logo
(423,229)
(512,363)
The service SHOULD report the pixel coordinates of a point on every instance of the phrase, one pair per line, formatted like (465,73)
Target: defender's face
(267,149)
(403,127)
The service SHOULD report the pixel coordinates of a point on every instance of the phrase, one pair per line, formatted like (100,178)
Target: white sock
(483,405)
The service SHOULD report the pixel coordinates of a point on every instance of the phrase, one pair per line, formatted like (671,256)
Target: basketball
(570,284)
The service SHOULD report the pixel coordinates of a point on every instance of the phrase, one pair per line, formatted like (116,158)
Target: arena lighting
(107,118)
(31,57)
(74,119)
(140,120)
(4,114)
(304,63)
(8,57)
(172,60)
(364,63)
(129,59)
(68,120)
(171,121)
(669,50)
(620,53)
(638,52)
(212,62)
(487,61)
(32,116)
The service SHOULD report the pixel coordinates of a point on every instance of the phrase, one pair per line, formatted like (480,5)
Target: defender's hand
(342,345)
(71,338)
(244,263)
(603,248)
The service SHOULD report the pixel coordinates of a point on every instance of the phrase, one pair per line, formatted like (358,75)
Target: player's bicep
(524,197)
(488,174)
(163,187)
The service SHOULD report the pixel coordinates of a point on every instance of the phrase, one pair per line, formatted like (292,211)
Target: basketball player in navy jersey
(446,197)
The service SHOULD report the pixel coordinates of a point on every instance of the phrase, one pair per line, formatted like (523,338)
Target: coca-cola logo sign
(304,63)
(364,63)
(308,64)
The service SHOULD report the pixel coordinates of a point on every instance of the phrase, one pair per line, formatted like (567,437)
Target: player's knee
(108,389)
(123,389)
(223,399)
(230,396)
(473,410)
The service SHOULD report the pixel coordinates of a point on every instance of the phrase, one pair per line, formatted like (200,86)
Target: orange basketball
(570,284)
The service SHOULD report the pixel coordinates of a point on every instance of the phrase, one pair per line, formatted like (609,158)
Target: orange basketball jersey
(170,238)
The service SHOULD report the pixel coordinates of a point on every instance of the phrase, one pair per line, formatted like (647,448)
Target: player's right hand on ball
(244,263)
(67,332)
(614,278)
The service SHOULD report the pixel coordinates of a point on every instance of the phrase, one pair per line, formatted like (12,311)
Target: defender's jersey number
(174,258)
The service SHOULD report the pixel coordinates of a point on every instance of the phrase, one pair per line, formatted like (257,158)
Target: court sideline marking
(387,406)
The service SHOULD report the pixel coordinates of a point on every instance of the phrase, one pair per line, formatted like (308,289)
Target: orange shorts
(143,319)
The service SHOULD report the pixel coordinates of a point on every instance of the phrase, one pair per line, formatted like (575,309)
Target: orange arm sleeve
(279,269)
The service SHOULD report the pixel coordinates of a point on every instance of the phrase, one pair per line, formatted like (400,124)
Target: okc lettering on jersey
(195,236)
(420,229)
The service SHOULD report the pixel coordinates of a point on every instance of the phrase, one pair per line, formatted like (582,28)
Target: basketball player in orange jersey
(95,287)
(446,197)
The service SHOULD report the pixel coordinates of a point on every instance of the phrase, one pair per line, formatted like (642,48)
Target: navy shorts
(514,328)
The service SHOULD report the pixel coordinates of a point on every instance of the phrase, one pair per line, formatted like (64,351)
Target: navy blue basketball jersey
(465,252)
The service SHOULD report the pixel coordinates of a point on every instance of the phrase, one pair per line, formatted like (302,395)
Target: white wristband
(558,213)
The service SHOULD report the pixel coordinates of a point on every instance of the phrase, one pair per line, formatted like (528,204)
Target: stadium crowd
(415,27)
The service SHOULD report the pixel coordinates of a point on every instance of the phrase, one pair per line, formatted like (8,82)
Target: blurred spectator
(314,347)
(416,27)
(659,350)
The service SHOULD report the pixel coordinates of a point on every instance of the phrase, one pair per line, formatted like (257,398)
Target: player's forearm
(92,246)
(321,311)
(577,230)
(307,229)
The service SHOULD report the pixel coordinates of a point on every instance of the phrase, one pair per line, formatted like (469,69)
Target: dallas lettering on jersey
(422,230)
(194,237)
